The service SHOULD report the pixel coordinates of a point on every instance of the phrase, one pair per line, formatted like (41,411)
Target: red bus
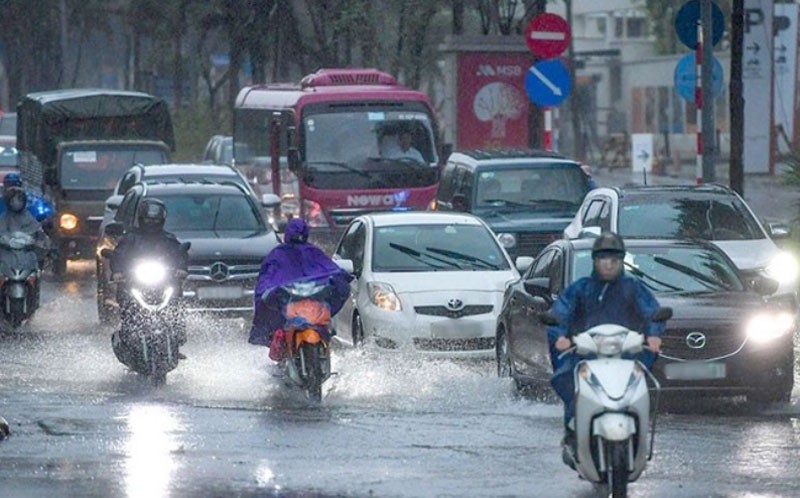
(341,137)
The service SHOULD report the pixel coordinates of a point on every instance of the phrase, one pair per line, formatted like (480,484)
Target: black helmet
(608,244)
(151,215)
(15,199)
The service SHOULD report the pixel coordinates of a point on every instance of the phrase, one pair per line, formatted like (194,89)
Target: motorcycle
(20,273)
(302,346)
(614,430)
(152,318)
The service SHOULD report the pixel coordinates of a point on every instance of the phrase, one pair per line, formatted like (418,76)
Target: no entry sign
(547,35)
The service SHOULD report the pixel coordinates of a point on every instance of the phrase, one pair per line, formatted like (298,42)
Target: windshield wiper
(506,202)
(463,257)
(704,279)
(552,201)
(421,257)
(343,166)
(639,273)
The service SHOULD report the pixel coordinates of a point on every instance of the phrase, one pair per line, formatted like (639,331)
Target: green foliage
(193,127)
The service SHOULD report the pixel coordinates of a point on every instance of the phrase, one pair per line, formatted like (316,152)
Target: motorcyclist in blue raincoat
(608,295)
(41,209)
(294,260)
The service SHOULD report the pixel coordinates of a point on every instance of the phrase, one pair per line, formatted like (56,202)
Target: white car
(710,212)
(425,281)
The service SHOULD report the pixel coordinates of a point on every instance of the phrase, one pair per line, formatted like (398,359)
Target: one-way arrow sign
(547,83)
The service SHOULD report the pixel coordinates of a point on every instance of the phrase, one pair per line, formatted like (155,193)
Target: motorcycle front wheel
(617,458)
(16,312)
(312,357)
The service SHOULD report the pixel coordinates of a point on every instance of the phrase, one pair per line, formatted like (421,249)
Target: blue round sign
(686,77)
(548,83)
(686,23)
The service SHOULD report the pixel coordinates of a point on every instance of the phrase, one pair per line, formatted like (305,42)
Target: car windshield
(212,213)
(196,177)
(422,248)
(534,186)
(706,218)
(101,168)
(666,270)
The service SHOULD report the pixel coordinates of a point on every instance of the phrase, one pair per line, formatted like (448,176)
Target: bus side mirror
(293,157)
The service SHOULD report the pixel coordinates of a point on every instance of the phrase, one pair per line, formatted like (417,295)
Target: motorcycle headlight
(314,214)
(149,272)
(507,240)
(765,327)
(783,268)
(383,296)
(609,345)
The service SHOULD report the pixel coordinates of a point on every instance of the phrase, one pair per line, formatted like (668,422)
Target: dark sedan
(726,337)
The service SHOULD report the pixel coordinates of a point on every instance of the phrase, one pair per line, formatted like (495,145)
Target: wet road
(395,427)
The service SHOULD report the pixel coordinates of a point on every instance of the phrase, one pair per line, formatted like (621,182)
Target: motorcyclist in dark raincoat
(294,260)
(608,295)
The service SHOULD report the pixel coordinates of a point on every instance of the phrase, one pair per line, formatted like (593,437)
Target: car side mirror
(779,230)
(765,286)
(107,253)
(548,318)
(587,232)
(345,264)
(460,203)
(113,202)
(523,263)
(115,229)
(538,286)
(185,246)
(270,200)
(662,314)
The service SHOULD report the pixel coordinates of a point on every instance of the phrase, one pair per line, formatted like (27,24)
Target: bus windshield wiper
(342,166)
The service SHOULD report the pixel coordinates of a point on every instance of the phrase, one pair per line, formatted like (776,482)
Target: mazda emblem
(696,340)
(219,271)
(455,304)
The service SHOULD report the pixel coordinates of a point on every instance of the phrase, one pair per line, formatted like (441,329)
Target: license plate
(222,292)
(695,370)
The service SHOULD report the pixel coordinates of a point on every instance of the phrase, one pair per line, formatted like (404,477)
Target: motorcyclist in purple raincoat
(294,260)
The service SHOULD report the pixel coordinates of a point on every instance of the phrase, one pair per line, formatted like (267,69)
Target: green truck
(74,146)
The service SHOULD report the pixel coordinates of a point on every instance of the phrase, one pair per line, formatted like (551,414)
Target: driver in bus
(400,146)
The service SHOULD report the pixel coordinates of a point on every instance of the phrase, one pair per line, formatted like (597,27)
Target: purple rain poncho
(291,262)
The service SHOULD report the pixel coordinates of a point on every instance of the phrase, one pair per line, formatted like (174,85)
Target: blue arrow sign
(547,82)
(686,77)
(686,23)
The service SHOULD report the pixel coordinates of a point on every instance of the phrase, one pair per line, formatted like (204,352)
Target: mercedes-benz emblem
(219,271)
(455,304)
(696,340)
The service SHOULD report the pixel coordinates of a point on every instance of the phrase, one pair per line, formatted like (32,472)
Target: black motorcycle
(152,318)
(20,273)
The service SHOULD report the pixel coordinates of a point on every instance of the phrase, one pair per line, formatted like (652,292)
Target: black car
(527,197)
(726,337)
(228,235)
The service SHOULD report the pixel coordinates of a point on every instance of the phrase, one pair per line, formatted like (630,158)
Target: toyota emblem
(219,271)
(455,304)
(696,340)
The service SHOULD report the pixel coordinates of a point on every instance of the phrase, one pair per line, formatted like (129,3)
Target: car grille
(530,244)
(224,271)
(719,342)
(476,344)
(474,309)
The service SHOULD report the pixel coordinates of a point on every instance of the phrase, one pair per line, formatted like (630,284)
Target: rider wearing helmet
(37,206)
(608,295)
(295,259)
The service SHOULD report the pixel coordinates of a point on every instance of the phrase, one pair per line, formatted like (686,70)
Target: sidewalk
(765,194)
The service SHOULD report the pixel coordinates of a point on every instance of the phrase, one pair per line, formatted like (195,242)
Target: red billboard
(491,100)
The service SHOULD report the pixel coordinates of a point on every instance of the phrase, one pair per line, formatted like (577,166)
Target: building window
(637,27)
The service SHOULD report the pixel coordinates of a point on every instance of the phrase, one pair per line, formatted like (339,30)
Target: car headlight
(507,240)
(314,215)
(149,273)
(783,268)
(68,222)
(765,327)
(383,296)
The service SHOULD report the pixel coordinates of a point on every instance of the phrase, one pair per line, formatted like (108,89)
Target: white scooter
(613,427)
